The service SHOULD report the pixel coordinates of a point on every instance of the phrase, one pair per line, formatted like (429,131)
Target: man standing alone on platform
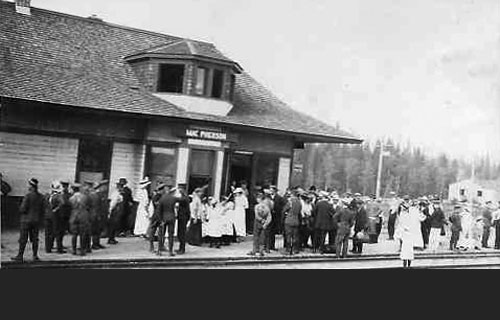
(32,211)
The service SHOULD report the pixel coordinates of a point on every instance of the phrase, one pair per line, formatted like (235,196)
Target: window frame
(159,81)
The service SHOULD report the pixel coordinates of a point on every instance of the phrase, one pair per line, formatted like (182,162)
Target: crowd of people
(305,218)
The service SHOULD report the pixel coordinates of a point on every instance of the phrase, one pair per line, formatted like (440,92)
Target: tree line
(406,169)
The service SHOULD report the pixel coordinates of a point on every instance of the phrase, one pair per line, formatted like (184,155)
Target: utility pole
(379,173)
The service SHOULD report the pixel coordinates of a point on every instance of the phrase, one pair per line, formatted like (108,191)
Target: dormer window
(185,73)
(217,83)
(171,78)
(201,81)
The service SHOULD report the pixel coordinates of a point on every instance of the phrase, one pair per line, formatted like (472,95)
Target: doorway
(201,171)
(240,169)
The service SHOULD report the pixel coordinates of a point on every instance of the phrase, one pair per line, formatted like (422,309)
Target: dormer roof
(185,49)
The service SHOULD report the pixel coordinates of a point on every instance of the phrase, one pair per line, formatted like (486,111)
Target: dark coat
(361,220)
(32,207)
(456,222)
(292,212)
(277,212)
(184,210)
(166,207)
(437,219)
(344,219)
(323,215)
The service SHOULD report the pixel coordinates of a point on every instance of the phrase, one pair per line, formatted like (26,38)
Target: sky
(425,72)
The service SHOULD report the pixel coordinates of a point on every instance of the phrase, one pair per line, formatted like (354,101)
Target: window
(201,81)
(479,193)
(162,165)
(462,192)
(171,78)
(94,160)
(217,83)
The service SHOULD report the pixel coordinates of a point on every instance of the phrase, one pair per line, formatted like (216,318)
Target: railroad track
(430,261)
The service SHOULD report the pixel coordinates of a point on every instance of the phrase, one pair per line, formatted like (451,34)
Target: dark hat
(33,182)
(122,181)
(182,185)
(66,182)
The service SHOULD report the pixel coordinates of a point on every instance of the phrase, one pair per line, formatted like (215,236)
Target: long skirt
(193,234)
(239,220)
(407,252)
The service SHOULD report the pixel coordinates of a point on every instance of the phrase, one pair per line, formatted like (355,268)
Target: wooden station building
(83,99)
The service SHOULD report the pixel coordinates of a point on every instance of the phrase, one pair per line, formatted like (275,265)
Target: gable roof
(67,60)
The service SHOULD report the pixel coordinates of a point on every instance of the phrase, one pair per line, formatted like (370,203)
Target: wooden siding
(128,162)
(45,158)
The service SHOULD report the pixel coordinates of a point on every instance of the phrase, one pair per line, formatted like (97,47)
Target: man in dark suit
(183,216)
(360,225)
(276,226)
(32,211)
(99,212)
(344,219)
(167,215)
(323,221)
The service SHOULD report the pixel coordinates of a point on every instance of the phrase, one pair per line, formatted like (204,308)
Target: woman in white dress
(465,242)
(417,216)
(227,212)
(239,217)
(407,236)
(144,212)
(214,223)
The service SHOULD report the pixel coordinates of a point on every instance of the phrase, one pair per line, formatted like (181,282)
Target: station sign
(206,135)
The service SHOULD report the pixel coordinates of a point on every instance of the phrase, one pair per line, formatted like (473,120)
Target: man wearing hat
(393,213)
(276,226)
(323,221)
(166,217)
(344,220)
(437,222)
(360,225)
(487,223)
(115,213)
(456,227)
(53,222)
(99,212)
(65,208)
(183,216)
(32,210)
(81,207)
(292,211)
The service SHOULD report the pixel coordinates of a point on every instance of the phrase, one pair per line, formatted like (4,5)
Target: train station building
(84,99)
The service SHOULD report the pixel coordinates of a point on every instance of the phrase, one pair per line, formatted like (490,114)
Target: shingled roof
(67,60)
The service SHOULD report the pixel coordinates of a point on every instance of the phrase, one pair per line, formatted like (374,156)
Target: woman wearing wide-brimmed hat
(240,207)
(144,208)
